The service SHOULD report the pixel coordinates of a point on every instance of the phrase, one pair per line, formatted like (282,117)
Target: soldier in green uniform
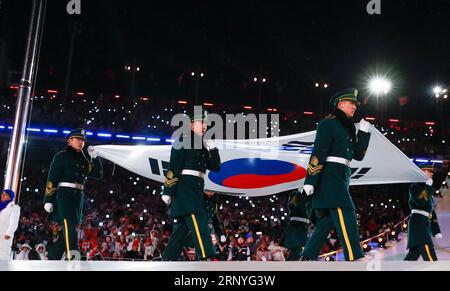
(419,226)
(295,236)
(64,194)
(184,185)
(328,176)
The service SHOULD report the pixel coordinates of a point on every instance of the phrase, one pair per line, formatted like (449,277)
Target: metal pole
(15,154)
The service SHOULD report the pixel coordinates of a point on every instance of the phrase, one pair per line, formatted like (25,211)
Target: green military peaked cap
(427,166)
(78,133)
(346,95)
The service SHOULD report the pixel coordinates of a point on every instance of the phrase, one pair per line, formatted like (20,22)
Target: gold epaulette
(50,190)
(314,170)
(313,166)
(170,180)
(330,116)
(423,195)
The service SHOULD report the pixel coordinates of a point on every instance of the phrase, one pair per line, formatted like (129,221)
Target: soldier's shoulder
(328,120)
(330,117)
(61,153)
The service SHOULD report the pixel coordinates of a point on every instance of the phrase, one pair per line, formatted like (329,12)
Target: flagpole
(17,143)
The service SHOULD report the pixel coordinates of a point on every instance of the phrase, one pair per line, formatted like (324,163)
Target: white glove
(438,236)
(309,189)
(429,182)
(364,125)
(92,152)
(209,144)
(48,207)
(167,199)
(223,238)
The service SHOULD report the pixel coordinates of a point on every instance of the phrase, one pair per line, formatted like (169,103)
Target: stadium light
(437,90)
(380,85)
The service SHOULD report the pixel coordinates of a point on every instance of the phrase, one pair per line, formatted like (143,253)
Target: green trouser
(426,251)
(197,225)
(67,240)
(344,220)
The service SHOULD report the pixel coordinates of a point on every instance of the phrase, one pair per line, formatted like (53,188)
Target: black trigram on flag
(298,146)
(154,167)
(360,173)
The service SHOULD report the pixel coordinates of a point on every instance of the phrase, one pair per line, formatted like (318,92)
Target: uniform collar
(72,150)
(345,121)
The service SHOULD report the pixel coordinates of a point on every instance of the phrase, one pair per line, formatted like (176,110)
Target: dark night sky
(294,44)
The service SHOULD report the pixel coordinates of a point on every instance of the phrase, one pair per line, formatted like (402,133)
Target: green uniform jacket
(187,191)
(331,180)
(419,229)
(72,167)
(296,232)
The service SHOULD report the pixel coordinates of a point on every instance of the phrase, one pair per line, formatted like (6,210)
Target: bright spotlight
(437,90)
(379,85)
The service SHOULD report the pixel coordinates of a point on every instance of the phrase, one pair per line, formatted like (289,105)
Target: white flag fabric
(269,166)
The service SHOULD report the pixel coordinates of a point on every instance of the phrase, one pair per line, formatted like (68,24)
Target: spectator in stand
(262,253)
(95,254)
(277,251)
(24,252)
(243,251)
(9,220)
(42,251)
(134,253)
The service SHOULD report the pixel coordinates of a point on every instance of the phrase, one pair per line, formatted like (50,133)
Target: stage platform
(373,265)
